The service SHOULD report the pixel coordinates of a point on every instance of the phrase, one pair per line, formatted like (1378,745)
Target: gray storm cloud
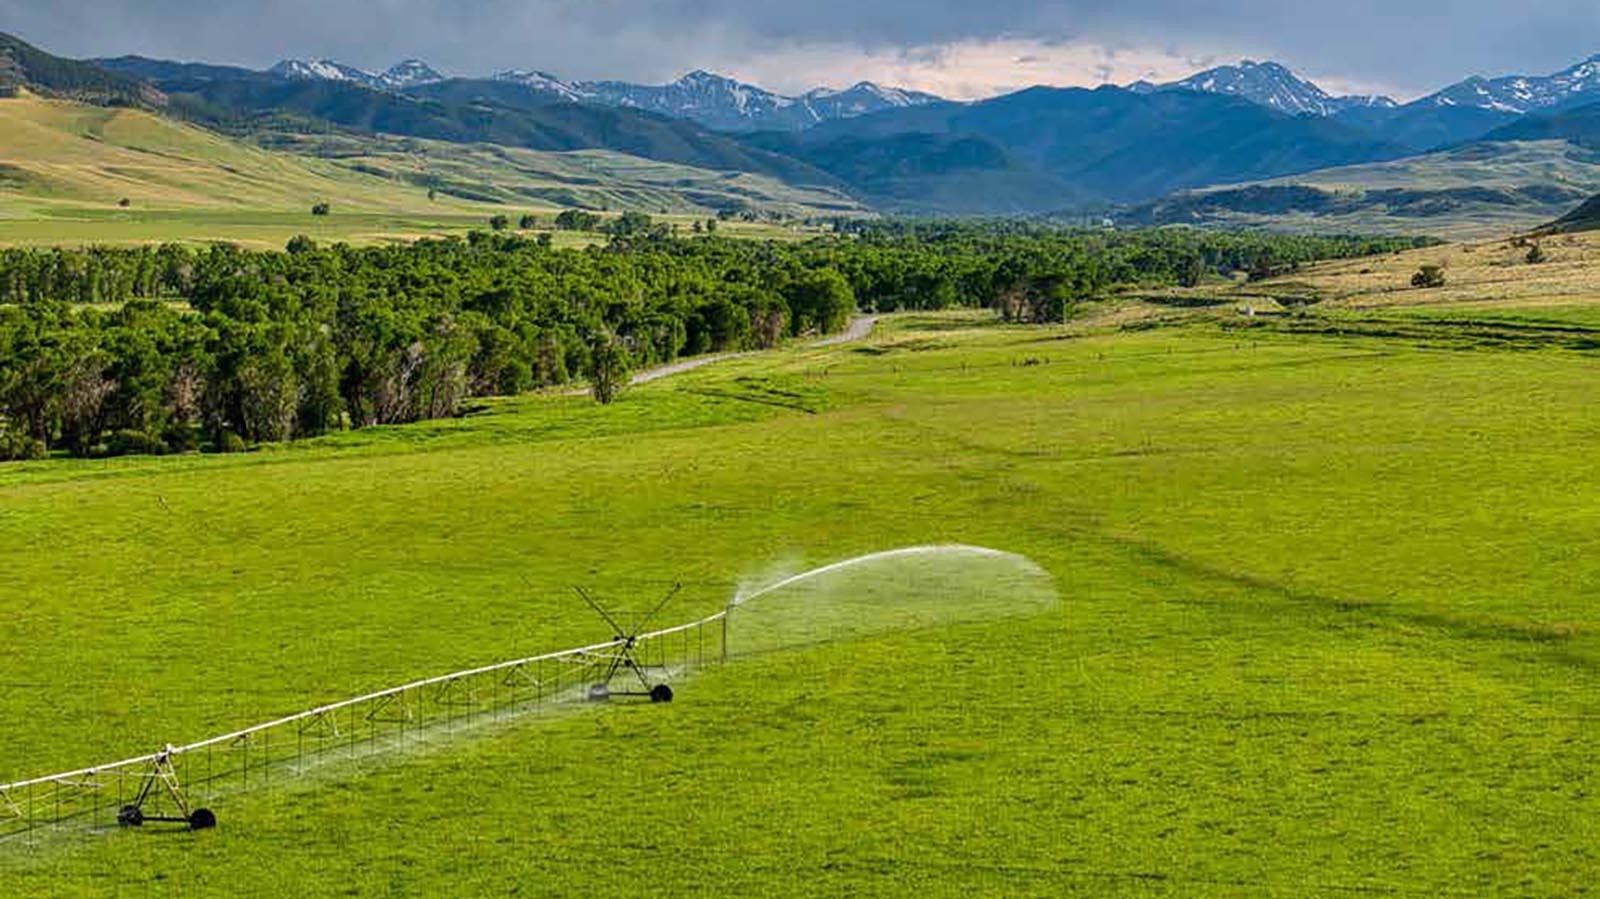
(1412,45)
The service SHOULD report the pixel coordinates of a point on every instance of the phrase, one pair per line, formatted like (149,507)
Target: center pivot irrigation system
(622,656)
(897,590)
(172,785)
(625,657)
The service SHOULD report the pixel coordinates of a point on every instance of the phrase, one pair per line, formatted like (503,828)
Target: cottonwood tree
(608,369)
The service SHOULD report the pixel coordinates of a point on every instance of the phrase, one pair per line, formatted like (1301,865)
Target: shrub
(135,443)
(231,443)
(1536,255)
(181,438)
(1429,276)
(500,222)
(577,220)
(529,222)
(19,447)
(321,209)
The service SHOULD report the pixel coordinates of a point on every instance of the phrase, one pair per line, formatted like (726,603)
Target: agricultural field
(1325,623)
(65,169)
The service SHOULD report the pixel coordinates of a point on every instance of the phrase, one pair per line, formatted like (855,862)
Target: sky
(963,50)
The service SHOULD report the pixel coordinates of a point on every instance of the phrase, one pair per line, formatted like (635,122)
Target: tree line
(176,348)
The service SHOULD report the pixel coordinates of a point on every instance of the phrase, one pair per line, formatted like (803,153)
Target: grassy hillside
(1487,283)
(1585,218)
(485,112)
(590,179)
(1327,624)
(65,168)
(1466,192)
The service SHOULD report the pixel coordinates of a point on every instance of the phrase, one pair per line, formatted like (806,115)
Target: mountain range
(712,100)
(1038,150)
(1460,112)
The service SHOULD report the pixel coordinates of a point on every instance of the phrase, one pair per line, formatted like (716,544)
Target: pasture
(1327,625)
(65,169)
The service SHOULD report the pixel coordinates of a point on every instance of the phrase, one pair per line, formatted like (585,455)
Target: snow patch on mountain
(1522,94)
(411,73)
(717,101)
(1268,84)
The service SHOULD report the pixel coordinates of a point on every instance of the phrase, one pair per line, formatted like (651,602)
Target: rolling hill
(586,179)
(1469,191)
(61,152)
(1584,218)
(66,167)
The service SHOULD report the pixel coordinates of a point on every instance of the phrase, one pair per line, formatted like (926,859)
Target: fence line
(171,783)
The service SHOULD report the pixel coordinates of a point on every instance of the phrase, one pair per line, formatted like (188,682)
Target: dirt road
(860,328)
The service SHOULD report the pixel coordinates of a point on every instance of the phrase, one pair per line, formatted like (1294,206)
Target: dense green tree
(608,369)
(95,357)
(1428,277)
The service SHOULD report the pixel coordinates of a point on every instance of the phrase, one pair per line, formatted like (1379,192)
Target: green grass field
(1327,626)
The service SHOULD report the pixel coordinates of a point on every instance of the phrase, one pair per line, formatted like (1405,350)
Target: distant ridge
(723,103)
(1584,218)
(23,65)
(1522,94)
(715,101)
(410,73)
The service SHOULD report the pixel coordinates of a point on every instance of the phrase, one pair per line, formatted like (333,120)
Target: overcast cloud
(958,48)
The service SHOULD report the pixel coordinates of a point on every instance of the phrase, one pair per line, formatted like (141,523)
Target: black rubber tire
(661,693)
(202,819)
(130,816)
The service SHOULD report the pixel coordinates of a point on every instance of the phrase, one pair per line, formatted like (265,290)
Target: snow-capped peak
(1268,84)
(700,77)
(716,101)
(1522,94)
(323,70)
(544,82)
(862,98)
(411,73)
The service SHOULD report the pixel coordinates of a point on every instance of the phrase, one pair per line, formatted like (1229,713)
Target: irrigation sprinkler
(622,656)
(164,776)
(927,586)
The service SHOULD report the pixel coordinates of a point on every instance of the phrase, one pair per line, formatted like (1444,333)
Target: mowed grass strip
(1327,627)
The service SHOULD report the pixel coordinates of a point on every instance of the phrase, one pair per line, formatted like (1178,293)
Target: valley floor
(1328,625)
